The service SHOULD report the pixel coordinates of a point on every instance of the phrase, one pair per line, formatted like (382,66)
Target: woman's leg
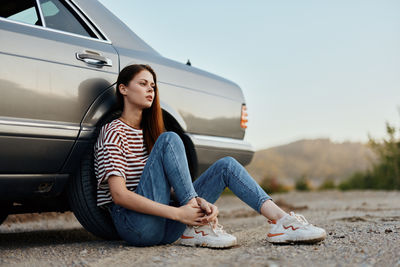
(227,172)
(166,166)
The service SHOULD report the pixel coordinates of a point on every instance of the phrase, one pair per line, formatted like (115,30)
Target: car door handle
(94,59)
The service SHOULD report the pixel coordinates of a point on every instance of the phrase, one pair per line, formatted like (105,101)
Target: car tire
(4,211)
(83,202)
(82,194)
(3,217)
(191,155)
(82,189)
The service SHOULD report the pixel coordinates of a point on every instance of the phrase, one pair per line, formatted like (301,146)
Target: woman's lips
(149,98)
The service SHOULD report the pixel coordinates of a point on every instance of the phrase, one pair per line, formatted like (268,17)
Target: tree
(385,174)
(388,152)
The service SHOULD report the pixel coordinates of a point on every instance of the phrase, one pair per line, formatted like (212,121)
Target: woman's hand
(191,214)
(210,210)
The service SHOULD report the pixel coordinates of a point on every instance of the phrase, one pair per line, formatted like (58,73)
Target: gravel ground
(363,230)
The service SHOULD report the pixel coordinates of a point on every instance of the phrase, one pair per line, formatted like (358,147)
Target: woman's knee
(232,168)
(228,162)
(171,138)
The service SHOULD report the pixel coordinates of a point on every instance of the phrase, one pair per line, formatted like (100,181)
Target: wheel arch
(106,102)
(103,110)
(171,124)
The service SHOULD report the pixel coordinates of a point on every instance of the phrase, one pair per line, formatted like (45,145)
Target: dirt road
(363,230)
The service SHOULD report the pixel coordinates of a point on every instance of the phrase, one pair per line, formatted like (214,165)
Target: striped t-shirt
(120,151)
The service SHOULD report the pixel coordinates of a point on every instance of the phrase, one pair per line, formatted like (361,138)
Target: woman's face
(140,90)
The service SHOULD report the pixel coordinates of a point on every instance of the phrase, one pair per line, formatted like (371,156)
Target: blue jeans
(167,167)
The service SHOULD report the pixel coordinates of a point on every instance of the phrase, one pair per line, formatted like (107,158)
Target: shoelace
(218,229)
(300,218)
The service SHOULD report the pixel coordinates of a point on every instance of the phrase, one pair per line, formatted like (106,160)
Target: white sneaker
(293,228)
(207,236)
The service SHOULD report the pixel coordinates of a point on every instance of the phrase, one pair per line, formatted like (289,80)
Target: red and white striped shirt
(120,151)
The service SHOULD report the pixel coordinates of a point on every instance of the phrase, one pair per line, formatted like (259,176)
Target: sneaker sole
(206,245)
(302,241)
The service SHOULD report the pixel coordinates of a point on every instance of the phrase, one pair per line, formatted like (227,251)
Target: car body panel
(46,91)
(215,99)
(208,104)
(52,102)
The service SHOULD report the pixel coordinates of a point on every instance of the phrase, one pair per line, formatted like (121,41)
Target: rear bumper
(211,148)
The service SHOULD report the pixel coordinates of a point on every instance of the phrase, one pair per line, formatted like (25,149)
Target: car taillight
(243,119)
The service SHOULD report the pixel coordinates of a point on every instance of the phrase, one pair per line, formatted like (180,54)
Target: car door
(55,62)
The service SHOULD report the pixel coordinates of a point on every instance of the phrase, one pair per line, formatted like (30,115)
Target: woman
(137,164)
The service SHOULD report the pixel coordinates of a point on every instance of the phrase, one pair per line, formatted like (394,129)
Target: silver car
(59,64)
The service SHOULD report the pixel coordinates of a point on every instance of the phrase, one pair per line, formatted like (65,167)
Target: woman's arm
(190,213)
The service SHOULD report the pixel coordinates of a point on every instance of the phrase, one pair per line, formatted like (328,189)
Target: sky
(308,69)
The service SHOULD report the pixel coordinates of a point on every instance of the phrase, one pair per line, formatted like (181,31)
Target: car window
(58,16)
(20,10)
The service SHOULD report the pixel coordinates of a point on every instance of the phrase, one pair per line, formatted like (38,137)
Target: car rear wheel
(82,189)
(4,211)
(83,201)
(3,217)
(82,194)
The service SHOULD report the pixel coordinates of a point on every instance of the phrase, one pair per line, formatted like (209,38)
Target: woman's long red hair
(152,120)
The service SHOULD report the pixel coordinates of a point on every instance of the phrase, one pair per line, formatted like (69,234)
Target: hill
(317,159)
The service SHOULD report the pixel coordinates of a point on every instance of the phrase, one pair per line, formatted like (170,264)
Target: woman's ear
(122,89)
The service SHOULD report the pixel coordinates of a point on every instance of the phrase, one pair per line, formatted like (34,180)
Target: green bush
(327,185)
(355,181)
(385,174)
(303,184)
(272,185)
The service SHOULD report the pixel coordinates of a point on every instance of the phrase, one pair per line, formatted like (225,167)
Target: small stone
(388,231)
(339,236)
